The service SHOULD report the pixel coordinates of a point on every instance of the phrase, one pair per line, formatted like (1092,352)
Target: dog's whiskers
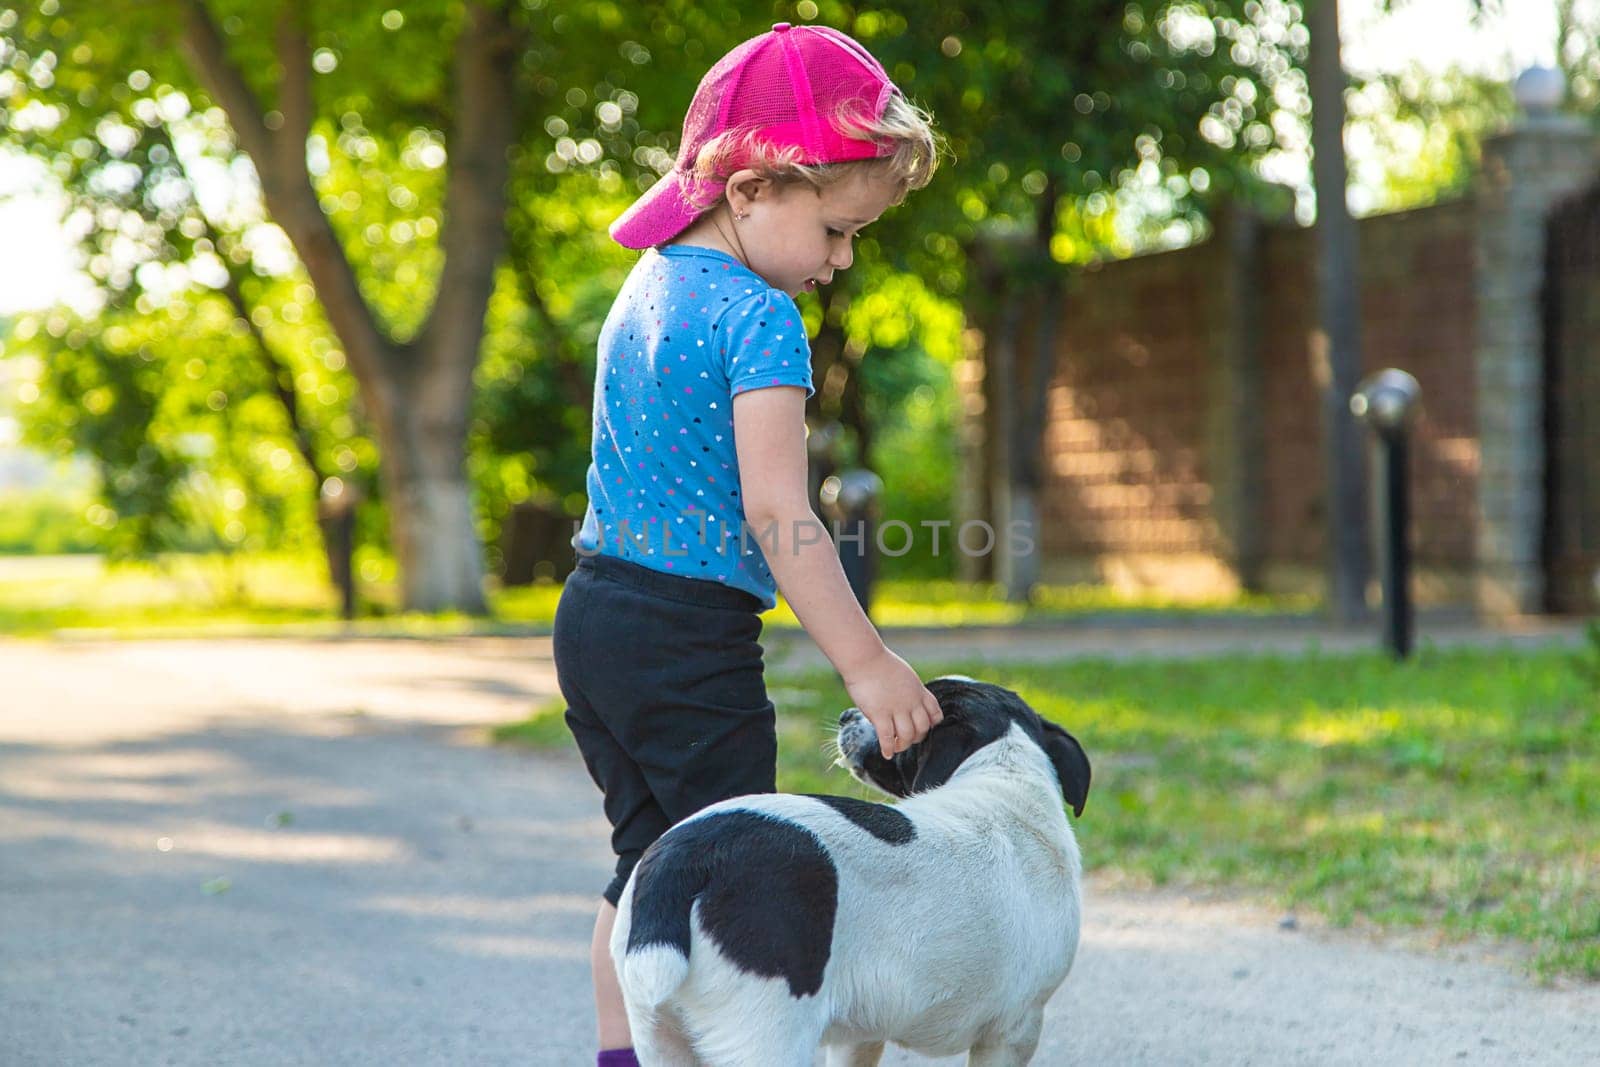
(830,746)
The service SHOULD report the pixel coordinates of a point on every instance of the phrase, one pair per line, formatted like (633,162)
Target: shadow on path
(319,891)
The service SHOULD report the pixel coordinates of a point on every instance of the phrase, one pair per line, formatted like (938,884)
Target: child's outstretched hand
(894,701)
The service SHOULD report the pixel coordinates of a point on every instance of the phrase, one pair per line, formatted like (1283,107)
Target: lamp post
(850,501)
(1386,402)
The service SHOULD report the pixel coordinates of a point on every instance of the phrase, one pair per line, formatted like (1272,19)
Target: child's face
(797,238)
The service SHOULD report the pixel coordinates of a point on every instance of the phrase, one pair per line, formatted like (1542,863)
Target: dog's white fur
(949,943)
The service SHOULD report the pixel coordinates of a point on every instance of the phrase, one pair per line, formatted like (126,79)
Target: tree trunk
(1033,370)
(419,394)
(432,519)
(1019,294)
(1336,344)
(1013,500)
(974,415)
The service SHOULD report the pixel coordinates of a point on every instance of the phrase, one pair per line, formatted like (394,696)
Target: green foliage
(916,452)
(1578,54)
(532,410)
(107,397)
(910,336)
(171,407)
(1422,135)
(45,522)
(173,387)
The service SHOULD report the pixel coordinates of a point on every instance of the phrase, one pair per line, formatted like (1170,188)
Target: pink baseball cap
(787,84)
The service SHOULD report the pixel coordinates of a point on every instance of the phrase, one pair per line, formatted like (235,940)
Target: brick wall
(1126,445)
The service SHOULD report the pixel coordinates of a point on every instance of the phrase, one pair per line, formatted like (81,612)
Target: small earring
(741,215)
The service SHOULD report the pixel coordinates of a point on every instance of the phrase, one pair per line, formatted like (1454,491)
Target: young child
(698,508)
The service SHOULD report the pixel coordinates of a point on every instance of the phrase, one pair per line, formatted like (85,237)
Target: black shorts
(663,681)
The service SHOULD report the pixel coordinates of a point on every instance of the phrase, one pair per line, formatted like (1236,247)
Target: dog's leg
(659,1042)
(1013,1048)
(745,1039)
(1002,1054)
(855,1055)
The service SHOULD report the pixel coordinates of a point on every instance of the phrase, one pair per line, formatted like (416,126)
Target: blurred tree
(418,389)
(1060,115)
(97,79)
(1336,343)
(385,160)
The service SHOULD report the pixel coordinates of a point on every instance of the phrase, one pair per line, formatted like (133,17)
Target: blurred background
(298,303)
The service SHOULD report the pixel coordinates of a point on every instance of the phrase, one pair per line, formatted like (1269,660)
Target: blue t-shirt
(690,330)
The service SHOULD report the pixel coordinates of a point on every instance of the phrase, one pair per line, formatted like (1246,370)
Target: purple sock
(618,1057)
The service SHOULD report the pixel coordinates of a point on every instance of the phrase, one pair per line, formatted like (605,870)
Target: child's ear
(744,188)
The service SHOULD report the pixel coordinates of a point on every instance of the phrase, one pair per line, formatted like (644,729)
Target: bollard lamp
(1386,401)
(850,493)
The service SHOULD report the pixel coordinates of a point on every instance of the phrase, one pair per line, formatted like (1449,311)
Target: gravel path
(296,852)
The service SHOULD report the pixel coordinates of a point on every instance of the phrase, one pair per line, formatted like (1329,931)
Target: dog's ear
(941,752)
(1070,762)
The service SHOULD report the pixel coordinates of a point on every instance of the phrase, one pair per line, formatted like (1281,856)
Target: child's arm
(769,436)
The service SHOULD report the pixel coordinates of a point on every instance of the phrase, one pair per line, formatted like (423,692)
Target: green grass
(942,602)
(545,728)
(63,593)
(1458,793)
(210,595)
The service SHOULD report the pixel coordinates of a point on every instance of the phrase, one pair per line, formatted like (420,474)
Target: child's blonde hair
(903,126)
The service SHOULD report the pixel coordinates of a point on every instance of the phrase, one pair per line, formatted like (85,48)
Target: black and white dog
(766,926)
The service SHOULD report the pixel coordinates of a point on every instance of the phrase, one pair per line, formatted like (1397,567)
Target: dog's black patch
(887,774)
(976,713)
(880,820)
(768,893)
